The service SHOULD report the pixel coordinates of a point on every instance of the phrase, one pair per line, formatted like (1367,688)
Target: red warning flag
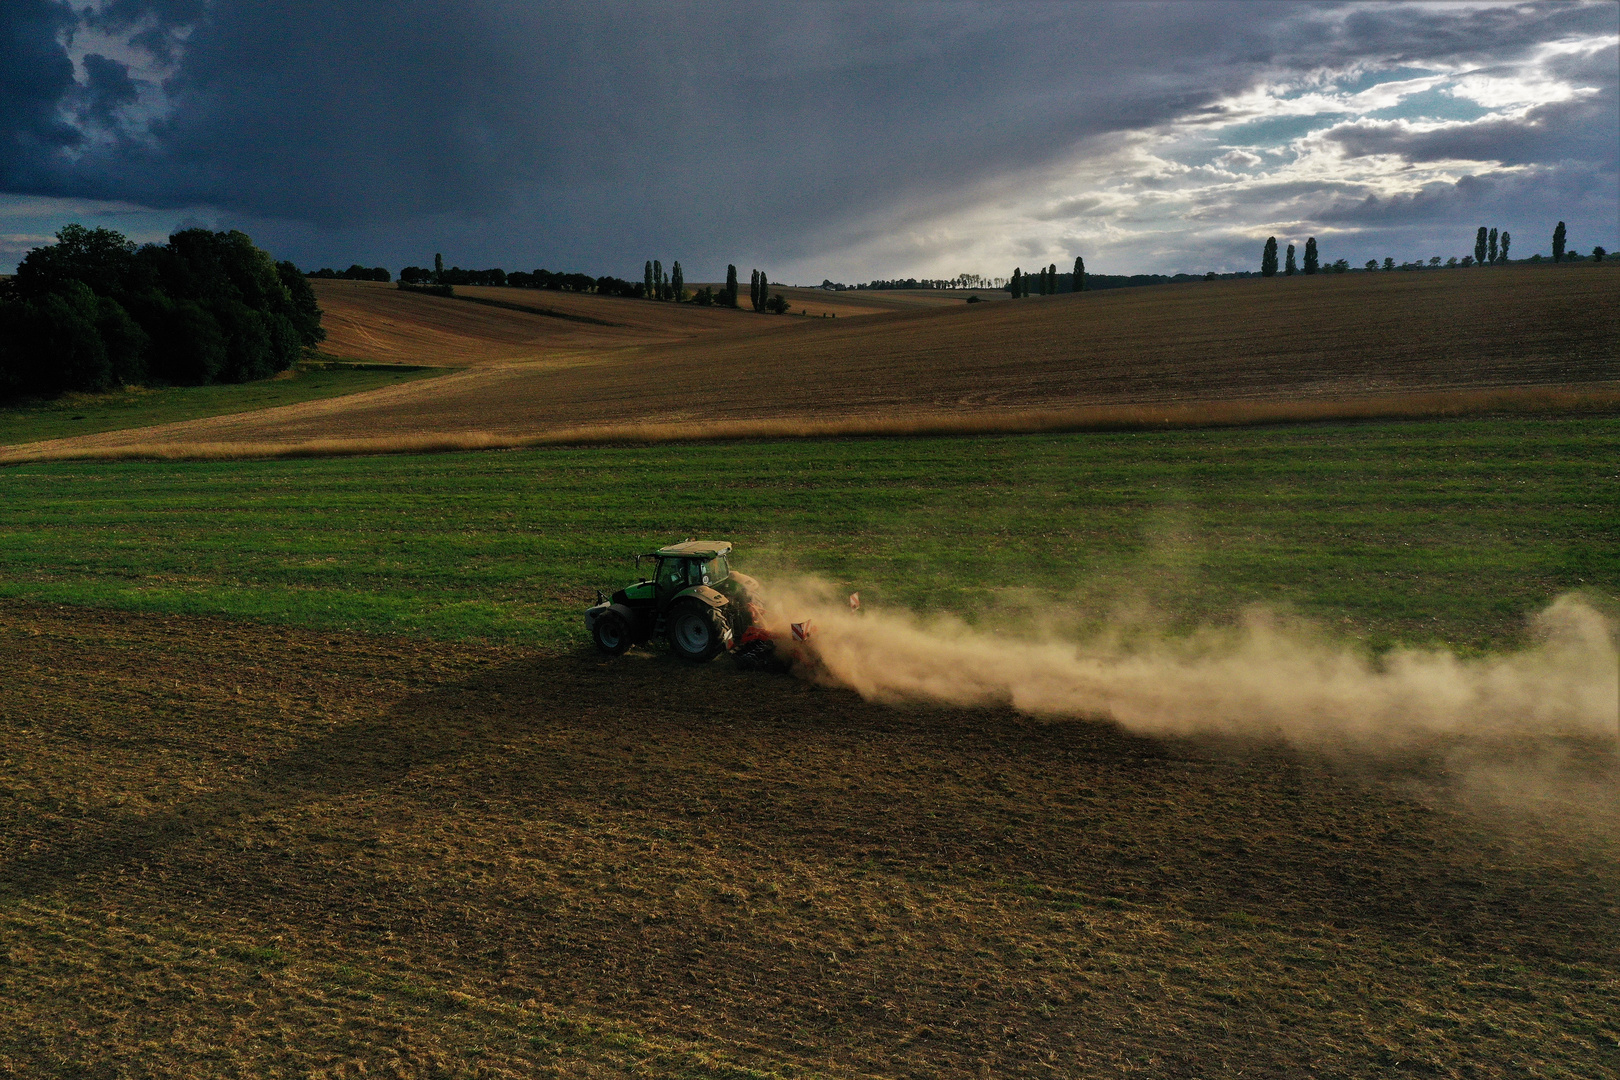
(801,630)
(854,601)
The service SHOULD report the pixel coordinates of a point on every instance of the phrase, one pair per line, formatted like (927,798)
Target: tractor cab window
(671,574)
(715,571)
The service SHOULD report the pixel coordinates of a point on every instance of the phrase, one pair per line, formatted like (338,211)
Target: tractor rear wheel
(694,633)
(611,633)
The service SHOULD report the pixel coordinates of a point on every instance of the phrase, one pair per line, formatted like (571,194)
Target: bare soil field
(379,323)
(1299,340)
(238,850)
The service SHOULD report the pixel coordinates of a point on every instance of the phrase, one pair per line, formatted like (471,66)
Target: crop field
(307,772)
(1450,530)
(1307,344)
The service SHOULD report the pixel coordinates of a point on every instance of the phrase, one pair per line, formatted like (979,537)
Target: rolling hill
(575,363)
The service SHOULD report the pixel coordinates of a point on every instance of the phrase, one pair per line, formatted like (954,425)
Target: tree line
(1048,282)
(355,272)
(93,311)
(1491,248)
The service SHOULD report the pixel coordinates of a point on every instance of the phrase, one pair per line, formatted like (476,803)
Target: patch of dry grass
(1512,401)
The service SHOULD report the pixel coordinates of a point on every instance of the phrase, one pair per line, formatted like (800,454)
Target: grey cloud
(35,75)
(108,87)
(1069,208)
(1581,128)
(596,135)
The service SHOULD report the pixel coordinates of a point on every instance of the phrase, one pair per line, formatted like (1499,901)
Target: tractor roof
(696,549)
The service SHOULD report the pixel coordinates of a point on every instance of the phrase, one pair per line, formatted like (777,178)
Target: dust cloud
(1267,677)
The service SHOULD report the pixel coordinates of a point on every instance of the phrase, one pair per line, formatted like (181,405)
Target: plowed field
(1320,339)
(239,851)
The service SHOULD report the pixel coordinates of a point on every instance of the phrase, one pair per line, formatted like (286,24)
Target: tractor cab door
(672,578)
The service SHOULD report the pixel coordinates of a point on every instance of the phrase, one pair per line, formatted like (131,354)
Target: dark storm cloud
(596,135)
(35,75)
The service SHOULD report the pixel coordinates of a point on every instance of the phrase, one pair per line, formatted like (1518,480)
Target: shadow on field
(1072,812)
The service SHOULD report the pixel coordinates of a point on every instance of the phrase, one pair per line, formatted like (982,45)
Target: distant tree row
(1490,249)
(93,311)
(1048,282)
(759,295)
(1313,260)
(657,285)
(356,272)
(520,279)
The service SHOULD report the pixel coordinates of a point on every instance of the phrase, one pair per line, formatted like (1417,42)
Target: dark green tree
(1558,243)
(438,267)
(1290,268)
(1079,274)
(731,286)
(647,280)
(1268,258)
(1481,243)
(1051,279)
(658,280)
(92,312)
(753,290)
(1507,238)
(1490,246)
(1311,259)
(677,282)
(1016,284)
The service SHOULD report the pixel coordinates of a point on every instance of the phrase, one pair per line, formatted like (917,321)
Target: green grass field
(87,414)
(1414,531)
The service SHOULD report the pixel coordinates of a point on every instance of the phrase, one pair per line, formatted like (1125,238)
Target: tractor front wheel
(612,633)
(694,633)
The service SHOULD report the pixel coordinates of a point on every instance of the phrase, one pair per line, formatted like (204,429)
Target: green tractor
(694,599)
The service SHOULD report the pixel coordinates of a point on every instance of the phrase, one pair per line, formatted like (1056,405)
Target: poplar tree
(1051,278)
(1311,260)
(731,286)
(658,280)
(1481,242)
(1507,238)
(677,281)
(1079,274)
(1558,243)
(1016,284)
(647,281)
(1491,245)
(438,263)
(1290,268)
(1268,258)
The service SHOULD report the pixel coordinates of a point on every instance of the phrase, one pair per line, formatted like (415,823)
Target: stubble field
(1228,351)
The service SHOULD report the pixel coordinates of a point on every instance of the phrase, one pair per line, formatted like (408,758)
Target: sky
(818,141)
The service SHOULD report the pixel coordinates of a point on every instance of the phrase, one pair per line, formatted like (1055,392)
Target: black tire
(694,633)
(611,633)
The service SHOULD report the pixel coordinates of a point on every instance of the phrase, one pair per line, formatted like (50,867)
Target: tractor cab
(684,566)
